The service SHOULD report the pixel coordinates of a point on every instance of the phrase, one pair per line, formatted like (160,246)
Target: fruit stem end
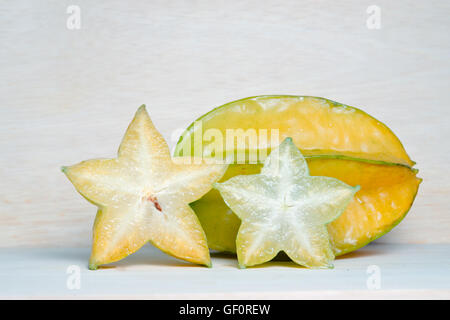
(93,266)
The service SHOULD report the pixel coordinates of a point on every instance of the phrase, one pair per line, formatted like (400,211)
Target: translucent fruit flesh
(285,209)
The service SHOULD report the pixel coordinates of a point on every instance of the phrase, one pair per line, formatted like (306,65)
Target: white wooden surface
(68,95)
(405,271)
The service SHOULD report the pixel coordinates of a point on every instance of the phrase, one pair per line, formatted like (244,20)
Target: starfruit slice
(143,196)
(285,209)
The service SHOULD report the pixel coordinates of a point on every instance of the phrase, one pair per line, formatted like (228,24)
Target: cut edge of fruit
(203,117)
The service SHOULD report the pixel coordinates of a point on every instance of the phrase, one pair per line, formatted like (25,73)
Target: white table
(405,271)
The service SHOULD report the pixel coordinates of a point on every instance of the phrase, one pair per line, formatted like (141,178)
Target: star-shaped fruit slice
(285,209)
(143,196)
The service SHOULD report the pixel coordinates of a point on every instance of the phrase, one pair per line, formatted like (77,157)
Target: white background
(68,95)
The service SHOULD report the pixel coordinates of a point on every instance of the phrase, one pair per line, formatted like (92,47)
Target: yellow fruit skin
(317,126)
(386,195)
(338,141)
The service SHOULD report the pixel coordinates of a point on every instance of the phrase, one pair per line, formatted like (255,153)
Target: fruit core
(155,202)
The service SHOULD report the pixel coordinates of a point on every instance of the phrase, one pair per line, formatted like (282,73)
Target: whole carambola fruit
(338,141)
